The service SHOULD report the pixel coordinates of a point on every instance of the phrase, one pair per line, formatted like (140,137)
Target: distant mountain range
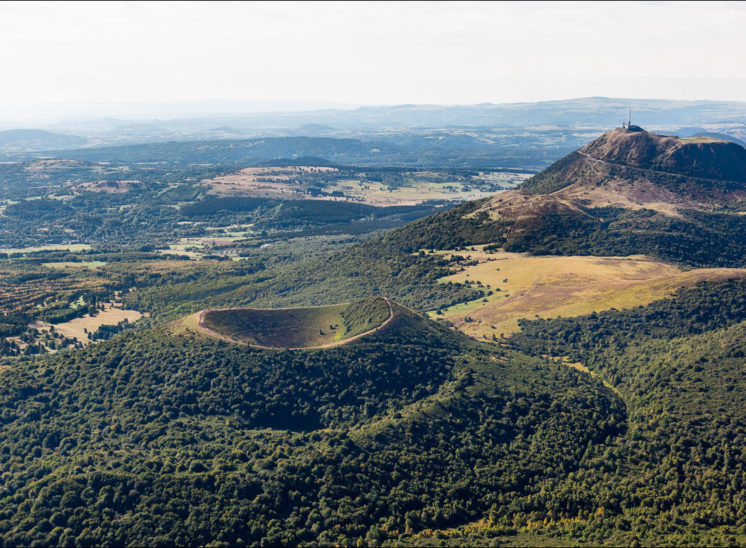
(23,140)
(591,111)
(382,122)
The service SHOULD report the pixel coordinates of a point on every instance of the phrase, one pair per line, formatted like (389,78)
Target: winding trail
(647,170)
(212,333)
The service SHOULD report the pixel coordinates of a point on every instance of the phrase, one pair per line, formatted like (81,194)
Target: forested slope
(678,476)
(151,438)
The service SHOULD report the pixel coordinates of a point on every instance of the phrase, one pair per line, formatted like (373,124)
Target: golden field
(530,287)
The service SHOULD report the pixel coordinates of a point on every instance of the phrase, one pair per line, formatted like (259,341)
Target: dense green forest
(410,431)
(678,475)
(151,439)
(696,238)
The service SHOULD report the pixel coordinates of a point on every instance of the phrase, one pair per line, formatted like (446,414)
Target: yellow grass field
(73,248)
(551,286)
(271,182)
(68,265)
(76,327)
(416,193)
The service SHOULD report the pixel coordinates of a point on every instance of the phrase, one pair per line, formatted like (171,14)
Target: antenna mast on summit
(629,122)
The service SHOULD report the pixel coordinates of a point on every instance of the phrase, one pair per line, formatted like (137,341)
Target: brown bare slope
(694,168)
(633,169)
(698,157)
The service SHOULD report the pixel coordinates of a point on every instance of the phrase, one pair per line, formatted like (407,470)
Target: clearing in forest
(529,287)
(79,328)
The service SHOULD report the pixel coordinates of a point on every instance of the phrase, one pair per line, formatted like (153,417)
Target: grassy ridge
(555,177)
(365,315)
(298,327)
(281,328)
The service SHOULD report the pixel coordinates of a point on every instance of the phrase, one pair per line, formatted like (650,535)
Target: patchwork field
(271,182)
(73,248)
(70,265)
(24,291)
(313,327)
(407,188)
(415,192)
(529,287)
(217,237)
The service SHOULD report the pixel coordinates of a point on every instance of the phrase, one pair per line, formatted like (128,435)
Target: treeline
(13,323)
(695,239)
(691,311)
(296,212)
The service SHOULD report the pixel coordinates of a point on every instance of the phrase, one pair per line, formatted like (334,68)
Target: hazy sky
(364,53)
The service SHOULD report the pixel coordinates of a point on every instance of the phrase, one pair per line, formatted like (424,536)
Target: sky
(97,59)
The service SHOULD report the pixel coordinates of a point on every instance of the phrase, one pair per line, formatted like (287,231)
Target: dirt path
(582,368)
(646,170)
(212,333)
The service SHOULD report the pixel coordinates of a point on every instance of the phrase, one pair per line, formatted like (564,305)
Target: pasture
(529,287)
(71,265)
(72,248)
(409,187)
(78,328)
